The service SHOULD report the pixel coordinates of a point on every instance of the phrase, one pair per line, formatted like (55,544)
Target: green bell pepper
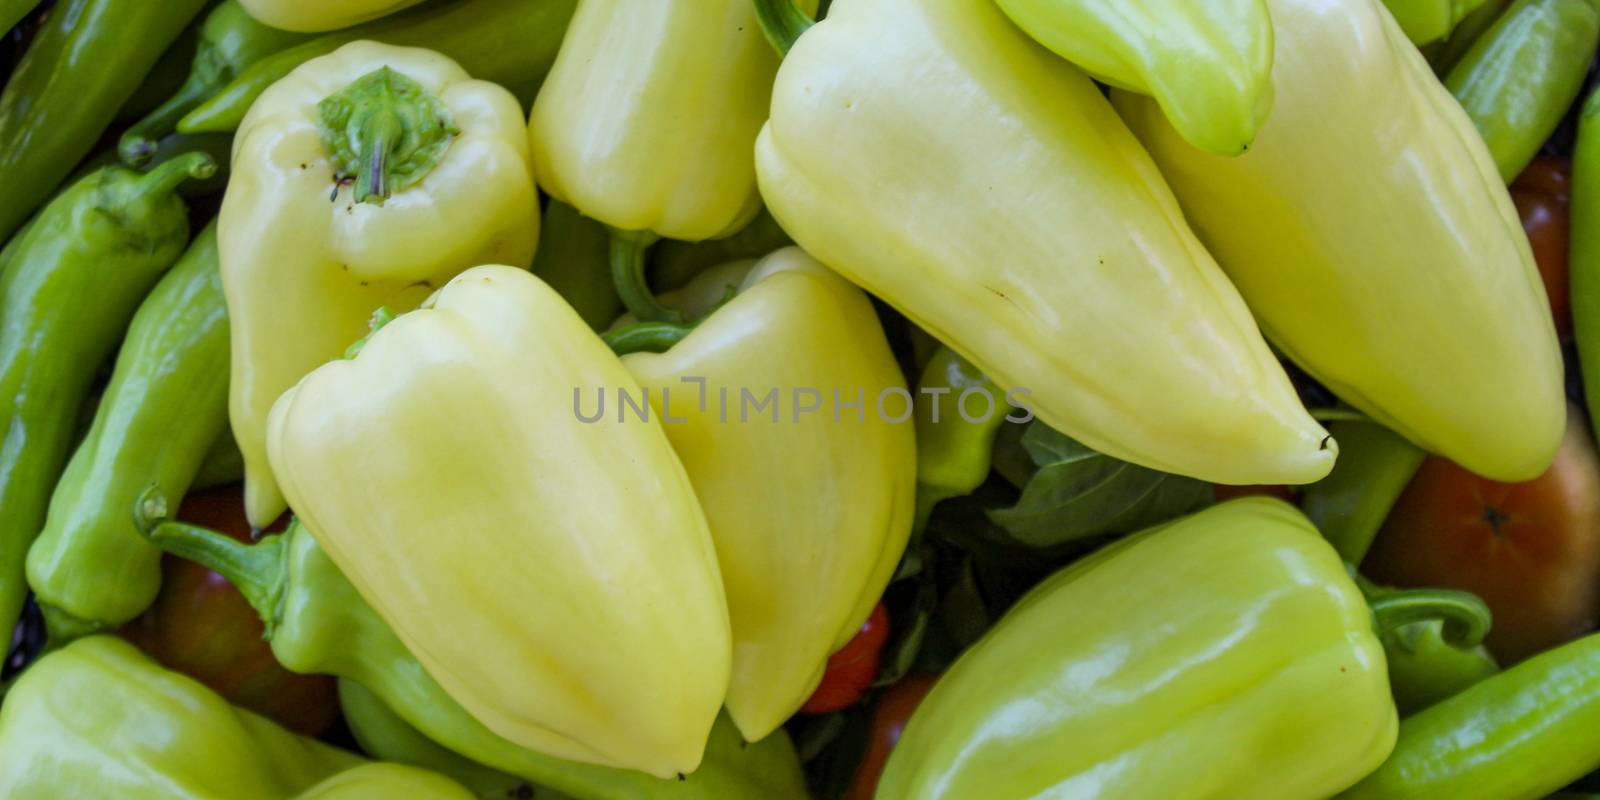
(89,57)
(1519,78)
(98,719)
(386,735)
(1521,734)
(318,623)
(166,405)
(509,42)
(68,286)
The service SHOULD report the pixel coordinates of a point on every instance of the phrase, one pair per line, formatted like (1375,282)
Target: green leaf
(1078,493)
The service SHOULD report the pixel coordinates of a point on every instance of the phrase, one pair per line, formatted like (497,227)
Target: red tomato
(200,625)
(851,671)
(1530,550)
(1224,493)
(1541,193)
(888,721)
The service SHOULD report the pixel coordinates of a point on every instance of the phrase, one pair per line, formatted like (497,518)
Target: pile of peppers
(840,399)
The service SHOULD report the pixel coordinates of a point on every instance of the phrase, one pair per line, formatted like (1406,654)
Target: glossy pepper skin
(509,42)
(1051,281)
(385,735)
(1208,64)
(803,560)
(68,286)
(99,719)
(311,16)
(302,274)
(1226,654)
(1427,21)
(1519,79)
(1583,255)
(90,569)
(485,387)
(1369,231)
(12,12)
(229,41)
(384,781)
(954,450)
(1519,735)
(318,623)
(62,94)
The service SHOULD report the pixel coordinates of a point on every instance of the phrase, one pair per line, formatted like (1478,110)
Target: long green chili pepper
(385,735)
(318,623)
(510,42)
(1521,734)
(1446,54)
(1519,79)
(89,57)
(12,12)
(69,286)
(1427,21)
(217,145)
(1584,253)
(167,403)
(1350,505)
(230,40)
(573,258)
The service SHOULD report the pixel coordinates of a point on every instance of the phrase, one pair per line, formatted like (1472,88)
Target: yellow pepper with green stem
(646,121)
(428,173)
(809,502)
(1372,236)
(554,575)
(931,153)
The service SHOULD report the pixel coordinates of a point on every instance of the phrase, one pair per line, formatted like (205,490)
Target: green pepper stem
(165,178)
(627,272)
(384,131)
(259,571)
(383,316)
(783,22)
(141,140)
(645,337)
(1465,616)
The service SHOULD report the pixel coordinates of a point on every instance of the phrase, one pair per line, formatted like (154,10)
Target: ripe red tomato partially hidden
(888,721)
(851,671)
(1542,193)
(201,626)
(1530,550)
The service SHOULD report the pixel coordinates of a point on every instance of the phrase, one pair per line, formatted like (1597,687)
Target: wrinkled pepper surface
(646,124)
(384,734)
(509,42)
(1208,64)
(99,719)
(428,170)
(311,16)
(1226,654)
(1013,217)
(803,560)
(384,781)
(87,59)
(229,41)
(1520,78)
(1427,21)
(68,286)
(1370,233)
(1519,735)
(504,477)
(317,622)
(166,404)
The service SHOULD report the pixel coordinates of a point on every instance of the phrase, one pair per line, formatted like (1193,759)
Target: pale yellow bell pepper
(1208,63)
(934,155)
(368,177)
(555,576)
(311,16)
(809,501)
(1371,234)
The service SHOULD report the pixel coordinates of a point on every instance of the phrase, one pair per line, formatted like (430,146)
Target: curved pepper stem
(165,178)
(385,132)
(628,249)
(645,337)
(1465,616)
(139,144)
(259,571)
(783,22)
(383,316)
